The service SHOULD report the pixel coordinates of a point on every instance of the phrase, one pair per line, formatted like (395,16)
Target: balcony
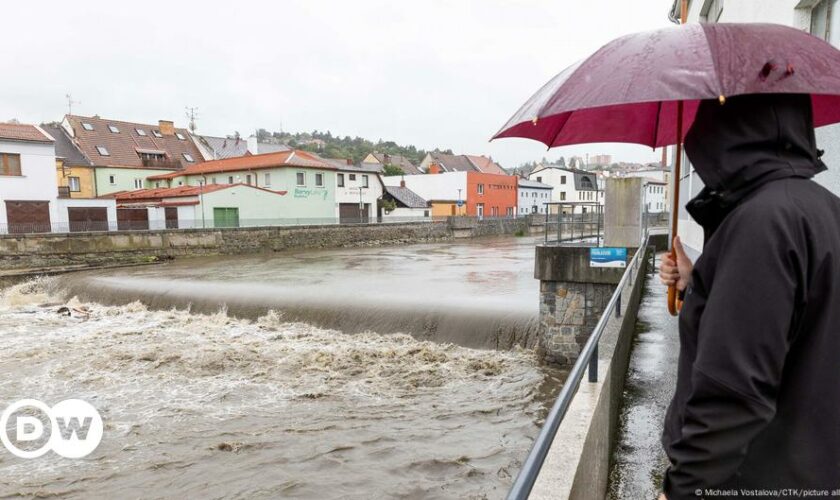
(162,163)
(63,192)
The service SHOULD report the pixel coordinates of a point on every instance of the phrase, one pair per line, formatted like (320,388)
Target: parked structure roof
(406,197)
(122,145)
(294,158)
(23,132)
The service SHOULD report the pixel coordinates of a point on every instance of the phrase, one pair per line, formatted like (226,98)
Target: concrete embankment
(23,255)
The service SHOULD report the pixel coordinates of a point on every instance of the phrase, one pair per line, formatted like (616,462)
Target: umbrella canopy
(629,89)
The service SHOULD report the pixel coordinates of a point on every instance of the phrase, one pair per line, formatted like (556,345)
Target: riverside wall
(49,253)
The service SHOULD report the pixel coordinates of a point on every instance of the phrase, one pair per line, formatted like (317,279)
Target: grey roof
(225,147)
(528,183)
(406,197)
(267,147)
(397,160)
(64,147)
(371,168)
(453,163)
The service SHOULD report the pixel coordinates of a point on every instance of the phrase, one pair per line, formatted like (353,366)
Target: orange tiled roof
(22,132)
(294,158)
(157,194)
(486,165)
(123,146)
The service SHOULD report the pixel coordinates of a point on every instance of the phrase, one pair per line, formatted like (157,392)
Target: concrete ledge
(577,466)
(571,264)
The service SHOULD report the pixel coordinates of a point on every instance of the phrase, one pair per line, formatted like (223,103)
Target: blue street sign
(607,257)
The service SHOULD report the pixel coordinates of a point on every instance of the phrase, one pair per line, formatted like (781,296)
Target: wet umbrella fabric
(628,90)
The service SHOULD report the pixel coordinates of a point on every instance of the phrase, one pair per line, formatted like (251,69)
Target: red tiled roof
(486,165)
(294,158)
(157,194)
(123,146)
(23,132)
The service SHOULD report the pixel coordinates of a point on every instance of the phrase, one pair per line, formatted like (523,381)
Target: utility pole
(70,103)
(361,206)
(192,116)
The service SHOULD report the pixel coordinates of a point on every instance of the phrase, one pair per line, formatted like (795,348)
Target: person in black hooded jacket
(757,400)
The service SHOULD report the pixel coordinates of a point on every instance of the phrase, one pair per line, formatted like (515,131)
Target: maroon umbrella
(628,90)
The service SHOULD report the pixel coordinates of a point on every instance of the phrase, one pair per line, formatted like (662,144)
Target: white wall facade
(530,197)
(354,181)
(656,200)
(565,189)
(37,181)
(62,204)
(450,186)
(401,214)
(795,13)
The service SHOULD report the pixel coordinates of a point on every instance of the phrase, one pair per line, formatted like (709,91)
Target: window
(267,179)
(352,177)
(213,180)
(112,179)
(113,129)
(319,180)
(248,179)
(138,183)
(140,132)
(157,133)
(539,179)
(509,211)
(103,151)
(480,189)
(87,126)
(10,164)
(74,184)
(562,196)
(188,157)
(365,181)
(301,179)
(180,136)
(341,180)
(562,179)
(825,23)
(230,180)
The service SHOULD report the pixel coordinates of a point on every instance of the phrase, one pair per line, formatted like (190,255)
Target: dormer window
(180,136)
(157,133)
(188,157)
(87,126)
(140,132)
(113,129)
(103,151)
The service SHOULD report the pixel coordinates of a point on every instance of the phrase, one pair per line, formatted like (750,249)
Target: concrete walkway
(638,460)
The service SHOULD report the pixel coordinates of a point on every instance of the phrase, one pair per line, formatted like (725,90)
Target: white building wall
(350,192)
(63,217)
(655,197)
(402,214)
(530,197)
(446,186)
(37,181)
(784,12)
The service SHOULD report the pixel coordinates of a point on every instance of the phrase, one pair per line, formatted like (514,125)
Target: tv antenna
(70,103)
(192,115)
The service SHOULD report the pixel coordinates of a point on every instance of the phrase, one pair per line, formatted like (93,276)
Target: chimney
(402,182)
(349,161)
(166,127)
(664,156)
(434,168)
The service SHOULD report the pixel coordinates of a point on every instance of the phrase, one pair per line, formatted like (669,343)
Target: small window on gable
(188,157)
(103,151)
(319,180)
(87,126)
(113,129)
(180,136)
(140,132)
(157,133)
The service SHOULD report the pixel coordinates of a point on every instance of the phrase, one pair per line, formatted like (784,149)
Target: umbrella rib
(560,129)
(656,126)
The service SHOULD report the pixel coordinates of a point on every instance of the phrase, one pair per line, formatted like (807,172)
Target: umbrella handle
(674,302)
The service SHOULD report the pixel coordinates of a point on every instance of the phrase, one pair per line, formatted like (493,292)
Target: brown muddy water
(249,400)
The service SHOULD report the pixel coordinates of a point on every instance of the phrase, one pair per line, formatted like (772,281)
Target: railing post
(618,306)
(593,365)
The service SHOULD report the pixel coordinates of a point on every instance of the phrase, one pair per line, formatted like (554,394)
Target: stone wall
(568,314)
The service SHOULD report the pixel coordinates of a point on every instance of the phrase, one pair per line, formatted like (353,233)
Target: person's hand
(676,273)
(662,496)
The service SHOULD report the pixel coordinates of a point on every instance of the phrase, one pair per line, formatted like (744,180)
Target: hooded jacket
(757,401)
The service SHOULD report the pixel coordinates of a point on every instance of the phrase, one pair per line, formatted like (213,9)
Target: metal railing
(587,361)
(572,221)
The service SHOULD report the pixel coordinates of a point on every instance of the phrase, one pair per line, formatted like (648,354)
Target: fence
(573,221)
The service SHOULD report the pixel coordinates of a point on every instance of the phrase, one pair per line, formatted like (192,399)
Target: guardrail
(570,221)
(587,361)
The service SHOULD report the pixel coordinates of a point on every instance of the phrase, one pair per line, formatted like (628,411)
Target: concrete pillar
(573,296)
(624,205)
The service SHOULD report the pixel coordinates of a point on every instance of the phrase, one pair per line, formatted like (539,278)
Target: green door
(225,217)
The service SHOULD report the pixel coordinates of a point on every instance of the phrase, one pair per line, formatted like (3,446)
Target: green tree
(392,170)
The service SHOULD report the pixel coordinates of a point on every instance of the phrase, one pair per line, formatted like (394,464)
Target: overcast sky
(431,73)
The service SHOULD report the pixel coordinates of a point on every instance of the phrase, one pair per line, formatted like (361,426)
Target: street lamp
(201,197)
(361,205)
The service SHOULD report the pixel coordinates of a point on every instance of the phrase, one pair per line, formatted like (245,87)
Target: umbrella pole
(674,304)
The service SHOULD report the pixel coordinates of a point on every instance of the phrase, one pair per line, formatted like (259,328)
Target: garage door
(225,217)
(132,219)
(28,216)
(87,218)
(348,213)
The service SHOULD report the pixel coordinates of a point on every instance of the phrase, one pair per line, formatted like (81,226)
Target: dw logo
(29,428)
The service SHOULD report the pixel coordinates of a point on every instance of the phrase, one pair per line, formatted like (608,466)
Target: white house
(357,192)
(532,197)
(409,205)
(656,199)
(819,17)
(570,185)
(28,185)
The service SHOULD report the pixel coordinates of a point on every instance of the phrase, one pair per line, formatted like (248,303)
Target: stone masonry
(568,314)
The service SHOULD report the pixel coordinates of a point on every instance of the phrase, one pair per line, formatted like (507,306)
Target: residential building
(600,160)
(383,159)
(123,153)
(570,185)
(212,206)
(819,17)
(358,190)
(219,148)
(309,180)
(532,197)
(409,204)
(28,188)
(464,193)
(658,174)
(74,171)
(436,162)
(656,198)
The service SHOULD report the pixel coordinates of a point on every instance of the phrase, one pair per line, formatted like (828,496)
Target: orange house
(491,195)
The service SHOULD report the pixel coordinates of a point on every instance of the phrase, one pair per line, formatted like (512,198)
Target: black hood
(748,141)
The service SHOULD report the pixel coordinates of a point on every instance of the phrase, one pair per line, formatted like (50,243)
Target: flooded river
(257,402)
